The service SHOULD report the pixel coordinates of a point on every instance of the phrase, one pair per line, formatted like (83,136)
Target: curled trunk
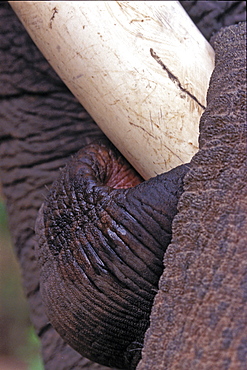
(102,236)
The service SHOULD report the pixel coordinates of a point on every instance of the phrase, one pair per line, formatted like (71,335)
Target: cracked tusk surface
(141,69)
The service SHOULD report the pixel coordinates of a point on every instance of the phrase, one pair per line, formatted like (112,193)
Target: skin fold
(42,125)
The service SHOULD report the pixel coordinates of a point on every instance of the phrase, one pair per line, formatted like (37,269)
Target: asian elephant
(187,226)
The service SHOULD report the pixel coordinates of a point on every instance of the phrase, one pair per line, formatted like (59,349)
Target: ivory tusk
(140,68)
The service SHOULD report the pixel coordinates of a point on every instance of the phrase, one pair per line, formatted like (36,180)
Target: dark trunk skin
(37,138)
(102,235)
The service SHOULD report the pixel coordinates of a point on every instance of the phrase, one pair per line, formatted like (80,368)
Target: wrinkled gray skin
(42,124)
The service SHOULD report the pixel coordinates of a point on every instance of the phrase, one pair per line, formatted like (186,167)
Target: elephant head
(198,317)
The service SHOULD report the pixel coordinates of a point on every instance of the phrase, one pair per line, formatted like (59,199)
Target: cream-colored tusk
(140,68)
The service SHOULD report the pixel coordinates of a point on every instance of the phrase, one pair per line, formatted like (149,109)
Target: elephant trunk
(102,236)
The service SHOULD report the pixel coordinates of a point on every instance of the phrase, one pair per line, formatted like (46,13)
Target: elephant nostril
(101,246)
(123,176)
(107,166)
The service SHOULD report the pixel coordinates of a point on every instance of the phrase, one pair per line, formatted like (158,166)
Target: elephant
(192,308)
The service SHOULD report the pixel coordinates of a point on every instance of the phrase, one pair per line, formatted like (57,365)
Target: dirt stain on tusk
(54,11)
